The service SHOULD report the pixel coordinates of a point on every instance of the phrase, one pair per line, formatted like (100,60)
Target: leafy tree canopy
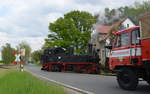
(27,48)
(133,12)
(7,55)
(72,30)
(36,55)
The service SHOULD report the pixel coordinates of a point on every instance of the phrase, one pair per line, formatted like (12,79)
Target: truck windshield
(122,40)
(118,42)
(125,39)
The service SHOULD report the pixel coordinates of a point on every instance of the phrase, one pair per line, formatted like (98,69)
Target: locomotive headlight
(59,57)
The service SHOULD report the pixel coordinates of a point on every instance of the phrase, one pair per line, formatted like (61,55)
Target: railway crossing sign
(18,59)
(22,51)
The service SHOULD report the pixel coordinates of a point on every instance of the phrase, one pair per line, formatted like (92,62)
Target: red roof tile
(103,29)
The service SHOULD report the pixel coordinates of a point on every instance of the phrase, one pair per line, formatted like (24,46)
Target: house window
(128,25)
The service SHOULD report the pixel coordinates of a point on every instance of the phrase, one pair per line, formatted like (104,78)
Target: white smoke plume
(94,34)
(104,20)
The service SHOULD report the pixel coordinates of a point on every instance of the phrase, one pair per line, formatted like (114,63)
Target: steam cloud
(104,20)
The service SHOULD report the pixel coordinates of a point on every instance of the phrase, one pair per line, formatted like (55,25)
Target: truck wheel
(148,81)
(127,79)
(146,77)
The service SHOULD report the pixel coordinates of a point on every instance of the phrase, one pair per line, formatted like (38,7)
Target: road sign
(22,51)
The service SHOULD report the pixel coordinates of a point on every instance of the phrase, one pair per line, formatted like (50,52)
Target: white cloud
(32,41)
(28,20)
(54,16)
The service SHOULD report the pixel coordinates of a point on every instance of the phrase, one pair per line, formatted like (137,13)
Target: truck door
(135,46)
(120,54)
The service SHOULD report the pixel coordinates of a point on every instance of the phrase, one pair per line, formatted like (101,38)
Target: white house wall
(128,22)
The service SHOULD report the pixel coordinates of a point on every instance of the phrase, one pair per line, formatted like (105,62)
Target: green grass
(3,72)
(1,63)
(14,82)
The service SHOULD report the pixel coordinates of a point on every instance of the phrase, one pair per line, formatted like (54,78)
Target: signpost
(22,53)
(19,58)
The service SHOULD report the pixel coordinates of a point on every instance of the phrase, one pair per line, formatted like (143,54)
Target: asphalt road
(98,84)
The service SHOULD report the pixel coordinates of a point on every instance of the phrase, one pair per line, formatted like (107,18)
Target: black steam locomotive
(59,59)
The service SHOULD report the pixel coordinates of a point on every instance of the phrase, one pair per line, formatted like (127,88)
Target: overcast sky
(27,20)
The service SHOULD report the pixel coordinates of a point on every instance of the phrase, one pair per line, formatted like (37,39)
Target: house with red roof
(102,31)
(99,38)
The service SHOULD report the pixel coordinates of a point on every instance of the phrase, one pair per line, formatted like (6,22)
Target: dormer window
(128,25)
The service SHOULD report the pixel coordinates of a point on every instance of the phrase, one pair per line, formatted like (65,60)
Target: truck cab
(130,57)
(126,49)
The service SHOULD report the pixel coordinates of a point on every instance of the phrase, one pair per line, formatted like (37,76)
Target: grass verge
(14,82)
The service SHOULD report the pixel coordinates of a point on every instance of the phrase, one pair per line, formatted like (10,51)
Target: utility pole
(22,53)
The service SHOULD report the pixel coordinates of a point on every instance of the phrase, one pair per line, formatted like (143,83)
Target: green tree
(27,48)
(133,12)
(36,55)
(72,30)
(7,55)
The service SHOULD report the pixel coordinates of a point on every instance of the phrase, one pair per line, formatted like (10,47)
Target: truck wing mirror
(108,47)
(138,38)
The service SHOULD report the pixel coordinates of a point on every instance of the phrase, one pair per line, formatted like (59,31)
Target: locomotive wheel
(53,68)
(95,71)
(56,68)
(47,69)
(59,68)
(98,71)
(127,79)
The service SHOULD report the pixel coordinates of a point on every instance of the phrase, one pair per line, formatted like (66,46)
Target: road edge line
(62,84)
